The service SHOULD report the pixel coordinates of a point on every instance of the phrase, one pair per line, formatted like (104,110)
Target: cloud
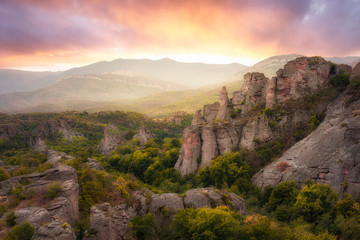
(254,28)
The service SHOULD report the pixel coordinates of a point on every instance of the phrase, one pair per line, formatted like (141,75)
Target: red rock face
(301,77)
(191,140)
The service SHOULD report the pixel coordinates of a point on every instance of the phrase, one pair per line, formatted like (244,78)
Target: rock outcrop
(65,205)
(108,223)
(55,230)
(330,154)
(144,135)
(237,122)
(112,139)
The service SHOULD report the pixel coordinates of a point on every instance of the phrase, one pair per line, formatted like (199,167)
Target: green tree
(230,169)
(315,200)
(284,193)
(205,223)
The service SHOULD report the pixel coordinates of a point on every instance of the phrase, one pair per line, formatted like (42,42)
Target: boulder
(330,154)
(94,164)
(211,198)
(37,216)
(170,202)
(55,230)
(108,223)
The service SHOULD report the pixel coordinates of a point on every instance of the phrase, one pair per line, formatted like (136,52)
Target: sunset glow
(56,35)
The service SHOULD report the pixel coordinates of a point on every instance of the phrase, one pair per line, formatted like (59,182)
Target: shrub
(340,80)
(284,193)
(230,168)
(54,189)
(315,200)
(348,227)
(23,231)
(355,83)
(143,227)
(282,166)
(314,121)
(11,219)
(205,223)
(268,112)
(4,174)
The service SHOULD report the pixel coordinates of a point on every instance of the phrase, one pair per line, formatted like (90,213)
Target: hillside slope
(88,87)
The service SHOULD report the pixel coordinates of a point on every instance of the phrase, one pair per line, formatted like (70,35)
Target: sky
(56,35)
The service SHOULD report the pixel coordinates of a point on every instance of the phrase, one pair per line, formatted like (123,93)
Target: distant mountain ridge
(88,87)
(191,74)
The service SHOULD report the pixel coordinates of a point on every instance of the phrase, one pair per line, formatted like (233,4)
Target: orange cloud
(70,31)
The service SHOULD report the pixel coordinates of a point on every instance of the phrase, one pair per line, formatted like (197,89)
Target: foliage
(314,200)
(11,219)
(143,227)
(205,223)
(229,169)
(348,227)
(314,121)
(269,150)
(340,80)
(355,83)
(3,174)
(23,231)
(284,193)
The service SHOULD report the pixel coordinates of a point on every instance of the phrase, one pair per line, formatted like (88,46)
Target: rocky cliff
(331,154)
(262,110)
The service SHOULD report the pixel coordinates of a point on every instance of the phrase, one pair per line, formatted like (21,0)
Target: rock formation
(112,139)
(144,135)
(237,122)
(109,222)
(50,217)
(330,154)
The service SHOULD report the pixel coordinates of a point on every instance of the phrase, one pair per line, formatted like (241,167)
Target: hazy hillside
(88,87)
(191,74)
(268,66)
(18,81)
(351,60)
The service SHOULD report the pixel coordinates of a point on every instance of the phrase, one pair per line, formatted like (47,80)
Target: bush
(23,231)
(11,219)
(315,200)
(143,227)
(348,227)
(284,193)
(205,223)
(4,174)
(314,121)
(54,189)
(230,169)
(355,83)
(340,80)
